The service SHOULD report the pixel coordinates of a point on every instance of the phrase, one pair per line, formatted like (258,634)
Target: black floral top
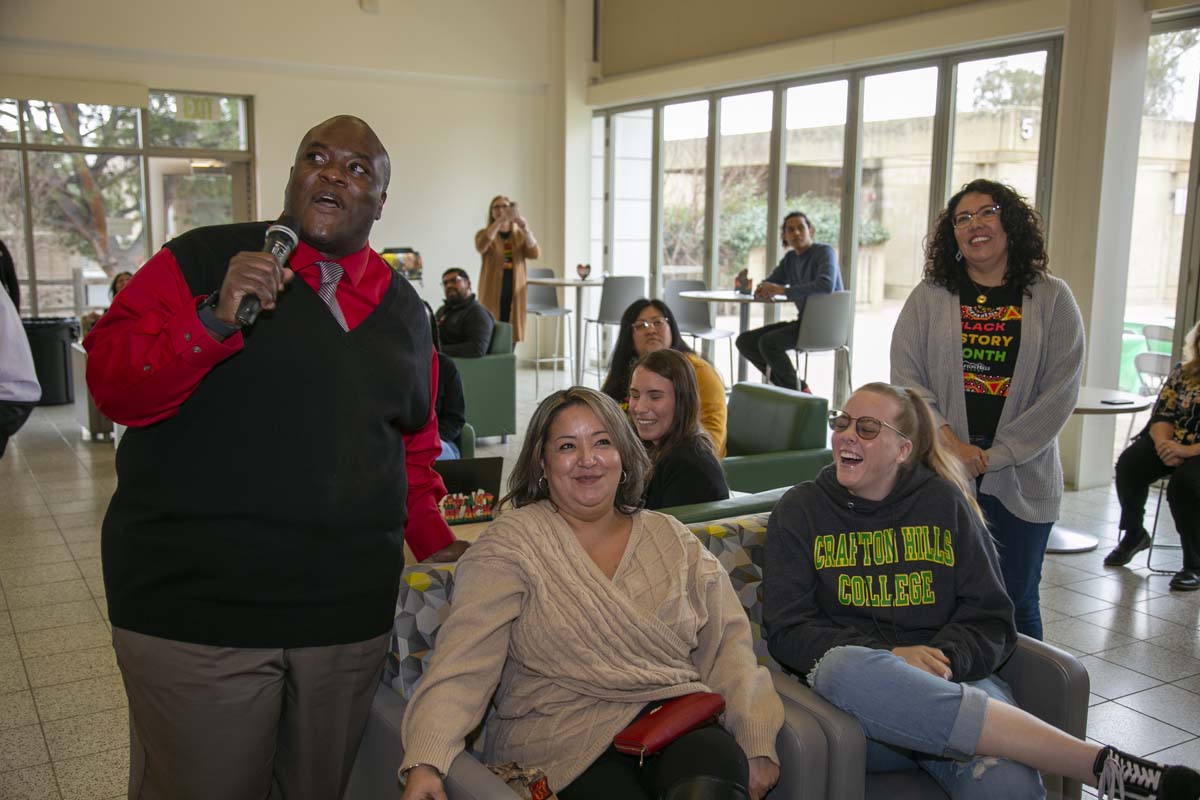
(1179,404)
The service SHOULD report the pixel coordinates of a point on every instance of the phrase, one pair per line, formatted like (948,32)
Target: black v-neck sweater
(269,511)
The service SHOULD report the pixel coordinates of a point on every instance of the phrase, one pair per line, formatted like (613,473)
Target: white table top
(1091,401)
(565,282)
(728,296)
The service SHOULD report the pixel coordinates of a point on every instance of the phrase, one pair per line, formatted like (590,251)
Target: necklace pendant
(981,299)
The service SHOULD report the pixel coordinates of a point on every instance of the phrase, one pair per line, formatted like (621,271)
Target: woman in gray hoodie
(882,590)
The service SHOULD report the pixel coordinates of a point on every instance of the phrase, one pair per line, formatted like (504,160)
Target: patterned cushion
(425,589)
(738,544)
(421,607)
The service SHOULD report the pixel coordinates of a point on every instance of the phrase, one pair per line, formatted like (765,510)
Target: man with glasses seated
(464,325)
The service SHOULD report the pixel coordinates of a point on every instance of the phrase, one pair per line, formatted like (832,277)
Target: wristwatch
(207,312)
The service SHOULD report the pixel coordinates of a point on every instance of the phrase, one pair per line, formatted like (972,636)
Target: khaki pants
(224,722)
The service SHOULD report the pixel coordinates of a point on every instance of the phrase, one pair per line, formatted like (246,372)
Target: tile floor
(63,724)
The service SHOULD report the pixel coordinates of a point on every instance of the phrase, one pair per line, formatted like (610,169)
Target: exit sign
(197,108)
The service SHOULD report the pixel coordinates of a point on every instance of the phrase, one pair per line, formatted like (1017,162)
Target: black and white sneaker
(1121,776)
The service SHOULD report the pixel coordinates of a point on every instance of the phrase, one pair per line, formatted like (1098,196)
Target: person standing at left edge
(252,550)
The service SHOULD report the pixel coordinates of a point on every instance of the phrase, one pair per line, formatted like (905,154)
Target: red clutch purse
(679,715)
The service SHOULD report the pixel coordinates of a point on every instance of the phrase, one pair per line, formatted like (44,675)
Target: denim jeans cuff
(968,725)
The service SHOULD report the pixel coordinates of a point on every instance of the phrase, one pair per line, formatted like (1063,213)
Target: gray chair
(1047,682)
(616,295)
(1161,485)
(542,301)
(1152,371)
(696,319)
(825,326)
(1158,333)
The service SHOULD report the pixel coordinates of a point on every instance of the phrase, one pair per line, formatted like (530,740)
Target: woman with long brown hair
(503,247)
(1168,445)
(664,404)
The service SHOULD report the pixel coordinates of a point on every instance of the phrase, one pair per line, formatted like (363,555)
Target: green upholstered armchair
(490,386)
(776,437)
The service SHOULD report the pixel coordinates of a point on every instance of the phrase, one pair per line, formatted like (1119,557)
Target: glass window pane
(186,120)
(744,153)
(10,126)
(893,198)
(599,151)
(633,143)
(87,214)
(684,155)
(12,217)
(816,138)
(998,121)
(1160,203)
(188,193)
(80,124)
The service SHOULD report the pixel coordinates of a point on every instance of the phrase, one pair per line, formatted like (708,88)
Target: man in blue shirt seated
(807,268)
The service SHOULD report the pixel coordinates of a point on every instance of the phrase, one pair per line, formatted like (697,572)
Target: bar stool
(542,301)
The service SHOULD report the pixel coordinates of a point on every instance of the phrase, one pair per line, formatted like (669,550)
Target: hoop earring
(541,482)
(624,477)
(958,255)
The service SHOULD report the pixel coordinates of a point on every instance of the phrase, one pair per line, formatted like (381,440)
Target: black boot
(1119,774)
(1130,545)
(705,787)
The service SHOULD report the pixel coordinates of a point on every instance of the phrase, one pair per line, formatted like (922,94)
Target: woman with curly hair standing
(994,344)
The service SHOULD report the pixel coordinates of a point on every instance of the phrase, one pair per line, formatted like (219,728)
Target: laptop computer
(472,489)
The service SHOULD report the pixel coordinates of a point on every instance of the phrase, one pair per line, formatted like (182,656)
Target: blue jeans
(1021,546)
(449,452)
(914,720)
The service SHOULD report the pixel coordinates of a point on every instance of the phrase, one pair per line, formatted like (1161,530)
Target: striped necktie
(331,273)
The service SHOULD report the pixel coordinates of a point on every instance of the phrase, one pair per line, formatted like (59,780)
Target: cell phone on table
(1116,401)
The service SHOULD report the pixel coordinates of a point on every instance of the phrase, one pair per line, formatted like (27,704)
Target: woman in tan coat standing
(504,245)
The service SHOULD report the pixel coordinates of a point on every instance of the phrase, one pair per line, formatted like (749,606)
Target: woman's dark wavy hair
(1027,262)
(616,384)
(685,426)
(112,287)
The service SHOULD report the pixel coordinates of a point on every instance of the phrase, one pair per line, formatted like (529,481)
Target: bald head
(338,185)
(367,132)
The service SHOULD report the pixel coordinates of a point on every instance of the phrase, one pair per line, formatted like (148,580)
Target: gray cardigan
(1024,472)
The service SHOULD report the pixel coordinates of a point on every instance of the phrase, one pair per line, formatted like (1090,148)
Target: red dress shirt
(150,350)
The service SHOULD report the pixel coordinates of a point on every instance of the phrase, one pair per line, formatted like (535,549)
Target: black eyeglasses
(964,217)
(452,281)
(866,427)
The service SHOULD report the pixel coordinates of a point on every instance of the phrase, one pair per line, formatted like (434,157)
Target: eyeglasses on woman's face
(985,214)
(866,427)
(501,206)
(646,324)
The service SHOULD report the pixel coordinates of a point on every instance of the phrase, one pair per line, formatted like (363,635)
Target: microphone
(280,242)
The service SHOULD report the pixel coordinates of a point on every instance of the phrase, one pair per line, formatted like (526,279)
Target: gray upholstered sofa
(422,607)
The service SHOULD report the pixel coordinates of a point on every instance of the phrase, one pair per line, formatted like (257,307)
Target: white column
(1091,209)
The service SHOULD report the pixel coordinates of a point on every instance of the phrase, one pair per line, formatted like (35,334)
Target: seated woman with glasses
(882,591)
(649,325)
(576,613)
(664,405)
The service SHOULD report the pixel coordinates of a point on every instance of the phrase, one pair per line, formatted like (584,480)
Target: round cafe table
(579,285)
(743,301)
(1094,400)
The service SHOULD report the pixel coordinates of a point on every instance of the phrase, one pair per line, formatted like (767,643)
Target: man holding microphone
(253,548)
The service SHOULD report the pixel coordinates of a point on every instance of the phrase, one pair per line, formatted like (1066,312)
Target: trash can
(50,342)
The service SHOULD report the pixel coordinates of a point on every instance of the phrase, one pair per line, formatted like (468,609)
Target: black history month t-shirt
(991,337)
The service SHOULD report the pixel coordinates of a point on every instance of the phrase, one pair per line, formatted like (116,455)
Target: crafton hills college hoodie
(916,568)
